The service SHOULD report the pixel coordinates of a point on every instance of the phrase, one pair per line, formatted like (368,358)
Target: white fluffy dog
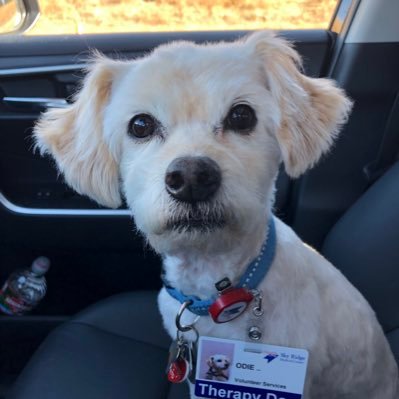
(193,135)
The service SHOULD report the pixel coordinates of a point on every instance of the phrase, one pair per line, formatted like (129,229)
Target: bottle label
(10,304)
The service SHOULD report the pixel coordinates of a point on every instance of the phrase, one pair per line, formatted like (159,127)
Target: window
(111,16)
(10,16)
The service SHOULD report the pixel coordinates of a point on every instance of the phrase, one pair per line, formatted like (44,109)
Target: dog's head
(193,136)
(218,362)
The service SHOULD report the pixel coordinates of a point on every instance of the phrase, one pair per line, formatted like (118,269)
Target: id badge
(231,369)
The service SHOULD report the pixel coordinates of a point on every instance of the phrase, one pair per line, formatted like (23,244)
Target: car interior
(98,333)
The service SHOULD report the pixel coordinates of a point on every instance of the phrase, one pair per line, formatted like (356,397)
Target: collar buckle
(223,285)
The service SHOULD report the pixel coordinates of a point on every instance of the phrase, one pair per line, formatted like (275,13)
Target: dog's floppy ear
(312,110)
(74,136)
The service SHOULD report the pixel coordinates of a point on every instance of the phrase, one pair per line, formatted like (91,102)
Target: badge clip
(231,303)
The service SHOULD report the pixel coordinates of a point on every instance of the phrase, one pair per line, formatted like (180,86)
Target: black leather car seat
(364,245)
(118,349)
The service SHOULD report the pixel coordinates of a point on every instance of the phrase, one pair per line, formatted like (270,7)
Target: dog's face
(194,136)
(198,156)
(219,362)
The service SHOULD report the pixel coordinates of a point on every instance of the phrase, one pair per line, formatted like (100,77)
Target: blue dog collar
(252,277)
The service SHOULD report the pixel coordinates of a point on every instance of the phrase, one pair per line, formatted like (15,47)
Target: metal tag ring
(184,327)
(180,334)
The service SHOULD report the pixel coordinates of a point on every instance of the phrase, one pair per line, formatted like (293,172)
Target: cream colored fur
(189,89)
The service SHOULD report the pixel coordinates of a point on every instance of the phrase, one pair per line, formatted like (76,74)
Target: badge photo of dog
(218,368)
(193,136)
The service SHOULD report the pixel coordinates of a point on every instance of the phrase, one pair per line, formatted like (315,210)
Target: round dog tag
(178,371)
(230,305)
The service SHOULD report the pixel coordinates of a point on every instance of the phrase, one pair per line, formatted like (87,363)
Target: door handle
(34,103)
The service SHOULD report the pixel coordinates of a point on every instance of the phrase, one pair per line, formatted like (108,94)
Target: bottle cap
(40,265)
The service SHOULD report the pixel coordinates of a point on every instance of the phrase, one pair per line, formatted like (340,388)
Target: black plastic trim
(11,46)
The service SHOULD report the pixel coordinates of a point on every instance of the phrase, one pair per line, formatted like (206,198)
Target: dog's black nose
(193,179)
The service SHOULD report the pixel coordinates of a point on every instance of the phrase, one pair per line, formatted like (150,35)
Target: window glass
(10,16)
(111,16)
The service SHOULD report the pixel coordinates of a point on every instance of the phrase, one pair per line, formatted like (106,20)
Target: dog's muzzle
(193,179)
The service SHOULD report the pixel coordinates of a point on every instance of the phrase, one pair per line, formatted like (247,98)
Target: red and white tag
(178,371)
(230,304)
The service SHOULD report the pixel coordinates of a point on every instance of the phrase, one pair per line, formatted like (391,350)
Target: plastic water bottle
(24,289)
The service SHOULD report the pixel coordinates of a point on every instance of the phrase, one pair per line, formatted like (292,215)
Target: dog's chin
(195,218)
(194,230)
(196,224)
(211,228)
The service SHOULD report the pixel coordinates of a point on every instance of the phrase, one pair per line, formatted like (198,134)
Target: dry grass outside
(112,16)
(10,17)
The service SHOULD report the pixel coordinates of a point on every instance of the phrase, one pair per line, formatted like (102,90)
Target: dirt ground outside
(111,16)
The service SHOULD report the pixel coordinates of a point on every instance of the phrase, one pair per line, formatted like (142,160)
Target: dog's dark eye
(241,118)
(142,125)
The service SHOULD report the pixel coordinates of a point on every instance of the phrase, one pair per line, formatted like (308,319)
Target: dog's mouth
(197,219)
